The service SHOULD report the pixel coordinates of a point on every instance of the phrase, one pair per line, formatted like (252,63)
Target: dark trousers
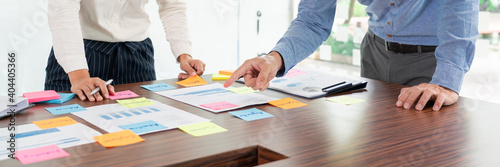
(406,69)
(124,62)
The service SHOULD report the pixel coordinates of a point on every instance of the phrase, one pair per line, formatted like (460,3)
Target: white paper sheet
(111,116)
(200,96)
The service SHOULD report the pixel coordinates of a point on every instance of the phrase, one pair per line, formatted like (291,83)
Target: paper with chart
(31,136)
(306,84)
(141,120)
(214,97)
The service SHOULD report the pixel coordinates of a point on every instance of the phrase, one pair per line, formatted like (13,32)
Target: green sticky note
(345,100)
(243,90)
(202,129)
(137,102)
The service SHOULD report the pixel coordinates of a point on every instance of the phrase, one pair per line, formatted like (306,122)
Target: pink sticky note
(294,72)
(34,97)
(219,105)
(123,95)
(40,154)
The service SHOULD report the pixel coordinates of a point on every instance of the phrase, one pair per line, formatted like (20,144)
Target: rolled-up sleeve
(457,33)
(307,32)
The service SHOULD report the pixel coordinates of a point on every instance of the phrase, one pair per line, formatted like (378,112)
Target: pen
(99,88)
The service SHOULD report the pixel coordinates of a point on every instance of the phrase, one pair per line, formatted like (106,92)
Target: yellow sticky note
(56,122)
(192,81)
(219,77)
(121,138)
(202,129)
(287,103)
(137,102)
(345,100)
(243,90)
(226,72)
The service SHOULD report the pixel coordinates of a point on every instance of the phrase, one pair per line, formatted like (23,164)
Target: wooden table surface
(372,133)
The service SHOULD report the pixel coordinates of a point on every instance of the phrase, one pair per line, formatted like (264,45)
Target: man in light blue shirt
(432,41)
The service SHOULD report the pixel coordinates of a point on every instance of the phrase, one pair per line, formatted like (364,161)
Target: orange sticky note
(121,138)
(192,81)
(56,122)
(287,103)
(226,72)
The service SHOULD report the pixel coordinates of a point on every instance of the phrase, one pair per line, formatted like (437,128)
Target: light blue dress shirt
(452,25)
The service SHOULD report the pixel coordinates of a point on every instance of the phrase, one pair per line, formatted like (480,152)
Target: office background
(224,33)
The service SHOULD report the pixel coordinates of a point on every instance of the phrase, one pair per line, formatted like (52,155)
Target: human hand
(191,66)
(82,85)
(425,92)
(258,71)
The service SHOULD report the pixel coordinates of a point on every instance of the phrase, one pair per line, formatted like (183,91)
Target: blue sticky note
(65,109)
(251,114)
(157,87)
(64,98)
(144,127)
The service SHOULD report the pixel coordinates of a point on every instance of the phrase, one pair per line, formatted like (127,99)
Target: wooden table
(372,133)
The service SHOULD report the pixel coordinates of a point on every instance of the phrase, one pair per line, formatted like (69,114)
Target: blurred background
(225,33)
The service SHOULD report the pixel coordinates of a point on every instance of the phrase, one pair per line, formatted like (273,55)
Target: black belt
(403,48)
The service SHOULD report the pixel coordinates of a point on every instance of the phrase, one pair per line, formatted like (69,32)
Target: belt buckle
(387,46)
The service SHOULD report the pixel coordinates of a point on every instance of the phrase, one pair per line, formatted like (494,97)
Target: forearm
(174,19)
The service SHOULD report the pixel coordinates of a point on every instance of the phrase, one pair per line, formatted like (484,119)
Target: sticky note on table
(123,95)
(219,105)
(202,129)
(294,72)
(40,154)
(192,81)
(158,87)
(121,138)
(219,77)
(64,97)
(226,72)
(251,114)
(39,96)
(56,122)
(144,127)
(65,109)
(345,100)
(287,103)
(243,90)
(137,102)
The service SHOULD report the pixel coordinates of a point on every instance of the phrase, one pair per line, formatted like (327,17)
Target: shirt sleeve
(64,23)
(306,33)
(174,19)
(457,33)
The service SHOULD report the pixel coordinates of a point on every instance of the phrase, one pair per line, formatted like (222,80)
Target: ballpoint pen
(99,88)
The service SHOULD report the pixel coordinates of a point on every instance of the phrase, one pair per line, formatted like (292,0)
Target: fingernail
(193,74)
(259,84)
(82,98)
(399,103)
(435,108)
(407,106)
(418,107)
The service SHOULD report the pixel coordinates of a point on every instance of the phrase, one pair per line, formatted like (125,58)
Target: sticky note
(243,90)
(39,96)
(123,95)
(202,129)
(345,100)
(219,77)
(158,87)
(40,154)
(137,102)
(226,72)
(294,72)
(192,81)
(287,103)
(251,114)
(121,138)
(64,97)
(56,122)
(65,109)
(144,127)
(219,105)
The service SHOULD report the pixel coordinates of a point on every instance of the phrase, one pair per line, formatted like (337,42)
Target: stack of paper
(39,96)
(64,98)
(222,75)
(19,105)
